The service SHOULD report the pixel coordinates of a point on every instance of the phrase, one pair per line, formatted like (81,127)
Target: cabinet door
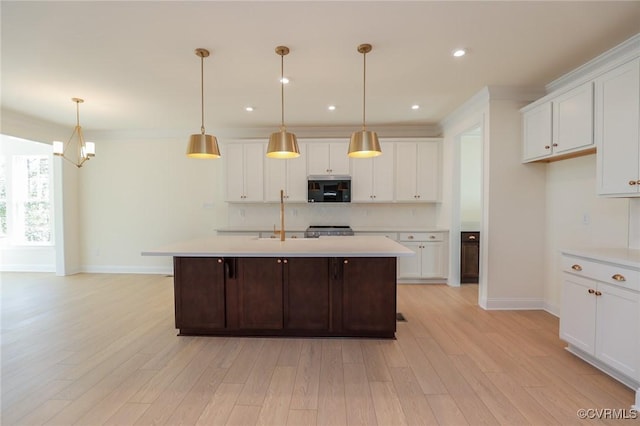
(618,328)
(296,189)
(254,154)
(369,294)
(259,293)
(427,171)
(362,180)
(573,119)
(578,316)
(339,158)
(410,266)
(537,132)
(432,260)
(318,158)
(470,257)
(616,130)
(199,293)
(406,172)
(383,173)
(234,161)
(275,178)
(306,293)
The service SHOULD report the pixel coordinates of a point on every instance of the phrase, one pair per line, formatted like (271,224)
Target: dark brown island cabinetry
(294,296)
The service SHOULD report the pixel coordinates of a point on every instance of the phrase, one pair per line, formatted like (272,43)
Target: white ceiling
(134,62)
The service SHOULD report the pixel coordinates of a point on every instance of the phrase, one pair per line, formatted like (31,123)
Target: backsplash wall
(300,215)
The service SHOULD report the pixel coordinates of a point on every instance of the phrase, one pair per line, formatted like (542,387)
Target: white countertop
(244,246)
(355,229)
(621,256)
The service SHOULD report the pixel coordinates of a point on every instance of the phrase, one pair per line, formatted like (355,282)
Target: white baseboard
(27,268)
(112,269)
(514,304)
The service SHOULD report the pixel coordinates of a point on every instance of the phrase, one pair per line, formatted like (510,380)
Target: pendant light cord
(202,93)
(282,128)
(77,113)
(364,88)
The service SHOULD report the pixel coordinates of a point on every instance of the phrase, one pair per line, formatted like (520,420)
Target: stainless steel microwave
(329,189)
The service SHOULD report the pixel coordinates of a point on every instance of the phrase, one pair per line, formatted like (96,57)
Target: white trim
(608,60)
(114,269)
(27,268)
(622,378)
(553,309)
(515,304)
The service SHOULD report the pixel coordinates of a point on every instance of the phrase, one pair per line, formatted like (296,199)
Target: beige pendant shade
(202,145)
(282,144)
(364,144)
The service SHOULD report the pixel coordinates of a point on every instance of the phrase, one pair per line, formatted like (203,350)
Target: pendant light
(202,145)
(364,144)
(84,150)
(282,144)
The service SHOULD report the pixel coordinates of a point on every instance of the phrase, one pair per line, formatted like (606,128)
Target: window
(26,193)
(32,200)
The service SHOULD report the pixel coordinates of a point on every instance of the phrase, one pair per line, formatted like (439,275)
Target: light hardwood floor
(94,349)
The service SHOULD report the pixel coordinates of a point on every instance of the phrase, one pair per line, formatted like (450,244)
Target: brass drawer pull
(472,237)
(598,293)
(279,260)
(285,261)
(632,182)
(219,260)
(591,291)
(346,261)
(576,267)
(547,147)
(618,277)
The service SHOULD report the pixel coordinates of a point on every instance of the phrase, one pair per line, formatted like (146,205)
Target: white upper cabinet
(560,126)
(244,166)
(372,178)
(616,131)
(328,157)
(417,171)
(537,132)
(287,174)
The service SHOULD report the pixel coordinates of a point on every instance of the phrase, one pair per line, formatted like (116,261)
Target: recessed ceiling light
(331,107)
(415,106)
(284,80)
(459,52)
(248,109)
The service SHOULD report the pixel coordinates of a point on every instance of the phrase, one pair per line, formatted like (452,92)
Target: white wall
(470,181)
(577,218)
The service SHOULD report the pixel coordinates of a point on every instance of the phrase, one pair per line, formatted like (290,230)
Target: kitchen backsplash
(303,215)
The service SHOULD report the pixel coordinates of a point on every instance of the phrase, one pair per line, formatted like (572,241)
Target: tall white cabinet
(245,165)
(618,131)
(417,171)
(287,174)
(372,178)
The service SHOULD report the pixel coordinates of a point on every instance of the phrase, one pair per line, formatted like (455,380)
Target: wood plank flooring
(101,349)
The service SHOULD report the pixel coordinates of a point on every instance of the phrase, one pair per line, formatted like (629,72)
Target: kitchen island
(248,286)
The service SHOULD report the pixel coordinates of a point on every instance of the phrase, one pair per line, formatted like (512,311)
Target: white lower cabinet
(430,255)
(600,318)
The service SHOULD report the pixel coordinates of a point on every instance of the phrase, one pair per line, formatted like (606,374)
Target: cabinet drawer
(605,272)
(421,236)
(391,235)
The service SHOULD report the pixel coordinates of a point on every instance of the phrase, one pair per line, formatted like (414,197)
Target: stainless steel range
(315,231)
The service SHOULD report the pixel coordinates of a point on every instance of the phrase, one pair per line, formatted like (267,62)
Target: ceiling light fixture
(202,145)
(331,107)
(364,144)
(84,150)
(282,144)
(415,106)
(284,80)
(248,109)
(459,52)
